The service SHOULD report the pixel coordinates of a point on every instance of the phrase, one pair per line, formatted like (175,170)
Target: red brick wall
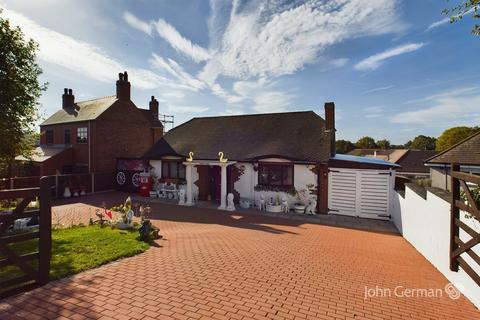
(121,131)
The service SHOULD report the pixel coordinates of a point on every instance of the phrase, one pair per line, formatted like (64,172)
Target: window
(173,170)
(49,136)
(82,135)
(275,175)
(67,136)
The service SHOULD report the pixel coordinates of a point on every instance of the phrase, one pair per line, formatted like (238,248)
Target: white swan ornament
(222,160)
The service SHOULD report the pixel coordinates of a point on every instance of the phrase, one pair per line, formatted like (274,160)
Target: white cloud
(373,62)
(82,57)
(272,101)
(378,89)
(453,107)
(444,21)
(275,40)
(172,68)
(373,112)
(171,35)
(186,109)
(180,43)
(136,23)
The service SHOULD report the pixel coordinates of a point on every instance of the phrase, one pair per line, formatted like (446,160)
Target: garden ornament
(285,207)
(181,196)
(190,156)
(230,203)
(311,207)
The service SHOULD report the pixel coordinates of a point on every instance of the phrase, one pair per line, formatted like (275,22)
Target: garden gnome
(285,207)
(230,204)
(311,207)
(181,196)
(262,202)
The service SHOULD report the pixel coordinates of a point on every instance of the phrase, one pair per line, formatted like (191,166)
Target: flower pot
(273,208)
(299,208)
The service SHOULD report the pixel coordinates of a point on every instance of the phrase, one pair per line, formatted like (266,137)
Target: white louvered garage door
(360,193)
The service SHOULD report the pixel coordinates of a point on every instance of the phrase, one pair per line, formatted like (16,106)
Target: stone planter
(299,208)
(274,208)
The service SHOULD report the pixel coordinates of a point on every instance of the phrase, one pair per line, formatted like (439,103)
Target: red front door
(217,182)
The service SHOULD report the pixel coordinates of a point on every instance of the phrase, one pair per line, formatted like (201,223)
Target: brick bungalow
(88,136)
(276,154)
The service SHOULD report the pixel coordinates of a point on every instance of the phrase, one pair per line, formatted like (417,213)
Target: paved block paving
(218,265)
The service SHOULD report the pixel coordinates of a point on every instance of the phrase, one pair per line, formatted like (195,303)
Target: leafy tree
(19,93)
(454,135)
(344,146)
(383,144)
(366,143)
(421,142)
(463,8)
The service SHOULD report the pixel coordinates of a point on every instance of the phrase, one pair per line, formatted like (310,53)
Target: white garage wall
(425,223)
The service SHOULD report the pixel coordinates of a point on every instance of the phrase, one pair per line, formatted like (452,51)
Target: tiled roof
(466,152)
(413,161)
(298,136)
(82,111)
(43,153)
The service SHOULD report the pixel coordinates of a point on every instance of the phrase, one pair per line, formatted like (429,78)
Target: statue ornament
(190,156)
(222,160)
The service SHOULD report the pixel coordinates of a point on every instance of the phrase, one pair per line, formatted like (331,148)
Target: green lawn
(80,248)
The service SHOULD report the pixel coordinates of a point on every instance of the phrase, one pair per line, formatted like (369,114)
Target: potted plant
(274,205)
(302,199)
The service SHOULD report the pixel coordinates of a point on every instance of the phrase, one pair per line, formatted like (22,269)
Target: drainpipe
(89,137)
(446,177)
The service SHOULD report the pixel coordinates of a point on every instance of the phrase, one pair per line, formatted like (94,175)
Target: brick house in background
(88,136)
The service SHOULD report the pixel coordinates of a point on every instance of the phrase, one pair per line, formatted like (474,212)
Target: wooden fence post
(455,214)
(93,182)
(45,236)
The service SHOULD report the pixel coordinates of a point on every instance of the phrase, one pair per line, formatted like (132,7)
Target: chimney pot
(153,106)
(123,87)
(68,99)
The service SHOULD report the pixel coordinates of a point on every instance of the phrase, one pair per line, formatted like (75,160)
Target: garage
(360,187)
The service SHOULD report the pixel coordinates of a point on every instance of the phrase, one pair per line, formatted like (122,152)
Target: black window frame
(82,135)
(178,171)
(49,137)
(283,175)
(68,134)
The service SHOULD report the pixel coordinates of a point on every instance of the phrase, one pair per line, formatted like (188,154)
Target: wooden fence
(463,201)
(89,182)
(34,266)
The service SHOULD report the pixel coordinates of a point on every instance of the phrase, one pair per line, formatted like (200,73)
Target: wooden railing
(34,274)
(460,180)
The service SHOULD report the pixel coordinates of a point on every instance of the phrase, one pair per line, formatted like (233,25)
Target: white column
(188,176)
(223,194)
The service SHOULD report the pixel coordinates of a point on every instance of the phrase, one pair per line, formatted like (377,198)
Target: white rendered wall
(302,177)
(426,225)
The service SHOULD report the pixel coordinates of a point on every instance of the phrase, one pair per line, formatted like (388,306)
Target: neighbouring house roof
(81,111)
(466,152)
(299,136)
(43,153)
(391,155)
(91,110)
(364,160)
(413,161)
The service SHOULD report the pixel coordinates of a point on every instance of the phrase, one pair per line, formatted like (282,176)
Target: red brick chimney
(153,106)
(123,87)
(330,125)
(68,99)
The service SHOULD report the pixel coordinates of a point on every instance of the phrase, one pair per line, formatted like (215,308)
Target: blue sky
(394,69)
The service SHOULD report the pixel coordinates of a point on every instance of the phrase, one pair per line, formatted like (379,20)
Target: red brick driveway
(215,265)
